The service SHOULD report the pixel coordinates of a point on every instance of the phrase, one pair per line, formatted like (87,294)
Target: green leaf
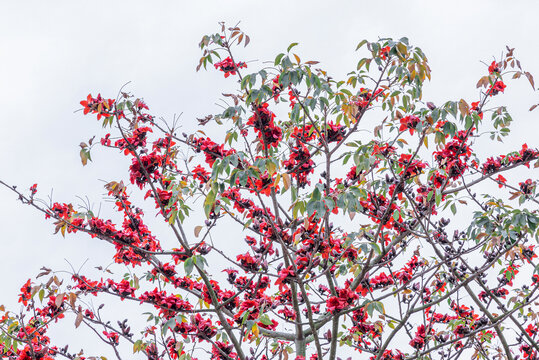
(210,201)
(291,46)
(396,215)
(137,346)
(370,309)
(85,156)
(316,194)
(188,265)
(361,43)
(264,319)
(278,59)
(438,198)
(379,307)
(168,325)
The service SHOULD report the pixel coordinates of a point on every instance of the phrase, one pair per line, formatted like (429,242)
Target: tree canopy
(299,230)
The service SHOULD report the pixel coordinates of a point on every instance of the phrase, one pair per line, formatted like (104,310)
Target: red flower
(252,306)
(384,52)
(262,121)
(475,107)
(221,350)
(211,149)
(413,167)
(409,122)
(300,164)
(130,143)
(99,106)
(334,304)
(527,186)
(288,313)
(501,181)
(228,67)
(418,342)
(334,132)
(276,89)
(200,174)
(498,86)
(531,329)
(25,294)
(292,97)
(284,278)
(493,68)
(145,168)
(112,336)
(344,299)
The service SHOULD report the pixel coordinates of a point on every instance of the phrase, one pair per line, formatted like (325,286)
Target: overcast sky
(53,53)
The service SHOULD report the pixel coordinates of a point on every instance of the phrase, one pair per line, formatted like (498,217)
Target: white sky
(53,53)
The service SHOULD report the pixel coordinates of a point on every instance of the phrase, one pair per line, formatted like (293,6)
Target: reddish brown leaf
(464,107)
(286,181)
(72,299)
(530,79)
(515,195)
(59,300)
(78,320)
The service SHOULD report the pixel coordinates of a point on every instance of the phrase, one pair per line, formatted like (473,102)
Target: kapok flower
(496,88)
(229,67)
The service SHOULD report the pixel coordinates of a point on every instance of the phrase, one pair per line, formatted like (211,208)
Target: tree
(348,241)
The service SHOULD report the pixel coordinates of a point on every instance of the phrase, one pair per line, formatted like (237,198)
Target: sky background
(53,53)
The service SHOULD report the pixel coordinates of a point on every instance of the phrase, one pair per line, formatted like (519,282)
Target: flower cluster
(496,88)
(365,98)
(300,164)
(390,355)
(263,184)
(499,292)
(410,167)
(409,123)
(99,105)
(263,121)
(527,187)
(240,203)
(362,326)
(525,155)
(474,108)
(229,67)
(145,168)
(381,210)
(345,298)
(130,242)
(112,337)
(201,174)
(137,139)
(406,273)
(494,68)
(211,149)
(334,132)
(299,262)
(384,52)
(418,342)
(168,305)
(454,156)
